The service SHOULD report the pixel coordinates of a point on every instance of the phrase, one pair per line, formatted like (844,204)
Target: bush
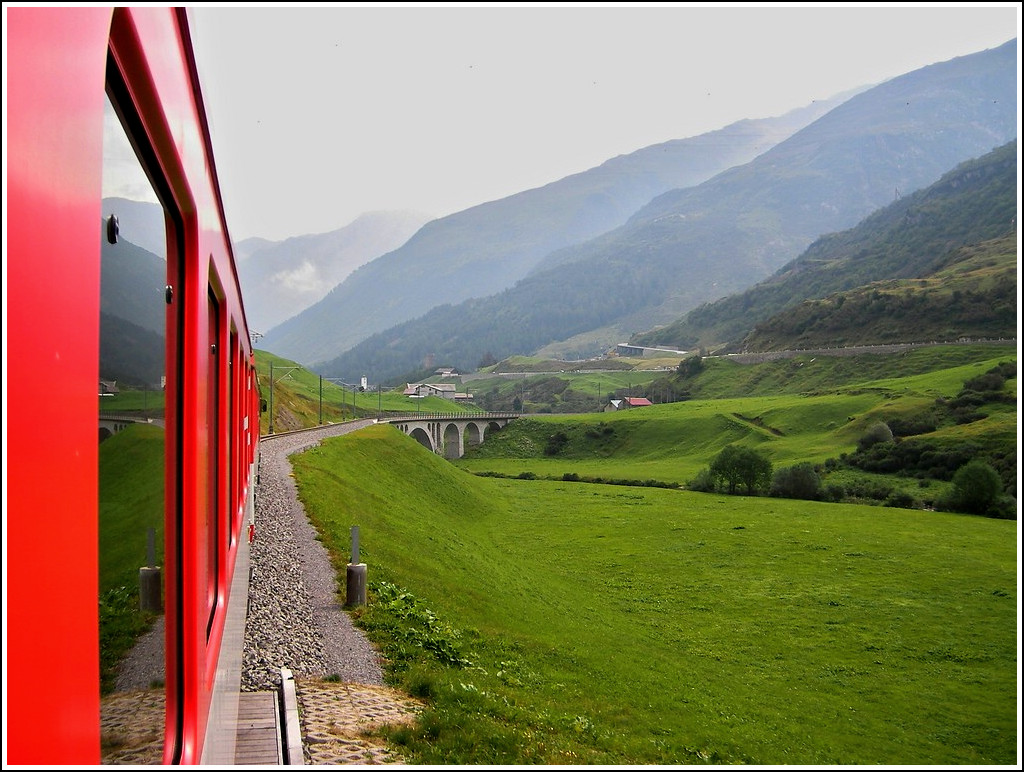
(797,482)
(876,433)
(901,499)
(704,482)
(556,442)
(834,492)
(976,487)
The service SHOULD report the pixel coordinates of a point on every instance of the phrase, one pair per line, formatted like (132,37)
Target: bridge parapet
(448,434)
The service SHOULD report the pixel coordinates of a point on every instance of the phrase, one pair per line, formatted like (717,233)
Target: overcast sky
(320,113)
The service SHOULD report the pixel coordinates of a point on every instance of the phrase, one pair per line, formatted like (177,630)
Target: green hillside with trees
(951,245)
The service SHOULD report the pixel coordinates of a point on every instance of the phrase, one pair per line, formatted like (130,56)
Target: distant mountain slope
(282,279)
(140,222)
(246,248)
(132,307)
(975,202)
(132,281)
(487,248)
(720,237)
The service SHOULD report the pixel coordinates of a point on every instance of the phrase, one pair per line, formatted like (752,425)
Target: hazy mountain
(690,246)
(132,305)
(246,248)
(721,237)
(281,279)
(140,222)
(132,282)
(488,247)
(975,202)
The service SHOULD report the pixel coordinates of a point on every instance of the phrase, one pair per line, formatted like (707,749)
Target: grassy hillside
(131,501)
(301,399)
(559,623)
(916,237)
(813,409)
(972,295)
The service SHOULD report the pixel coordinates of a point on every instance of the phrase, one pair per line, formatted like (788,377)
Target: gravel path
(295,619)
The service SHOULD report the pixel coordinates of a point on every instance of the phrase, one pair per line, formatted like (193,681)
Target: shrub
(556,442)
(901,499)
(704,482)
(797,482)
(834,492)
(976,487)
(876,433)
(993,380)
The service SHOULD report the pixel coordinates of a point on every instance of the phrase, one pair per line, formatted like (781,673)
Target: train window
(234,421)
(132,413)
(215,427)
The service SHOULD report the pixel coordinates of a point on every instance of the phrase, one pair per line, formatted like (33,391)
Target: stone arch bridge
(449,434)
(112,423)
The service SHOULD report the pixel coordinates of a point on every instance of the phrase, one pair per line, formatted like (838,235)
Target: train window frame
(120,96)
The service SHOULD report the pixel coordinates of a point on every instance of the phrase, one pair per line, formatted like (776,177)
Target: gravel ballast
(295,617)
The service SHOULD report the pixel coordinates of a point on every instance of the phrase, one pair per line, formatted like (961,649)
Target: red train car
(65,66)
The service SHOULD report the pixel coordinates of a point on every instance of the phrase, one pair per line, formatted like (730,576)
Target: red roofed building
(636,402)
(626,403)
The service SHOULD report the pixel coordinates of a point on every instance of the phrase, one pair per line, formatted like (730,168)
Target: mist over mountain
(489,247)
(690,246)
(280,279)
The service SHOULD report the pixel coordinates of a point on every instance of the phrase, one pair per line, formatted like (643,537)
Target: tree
(691,366)
(976,487)
(735,465)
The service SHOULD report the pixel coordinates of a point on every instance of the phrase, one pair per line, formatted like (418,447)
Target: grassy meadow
(131,501)
(564,623)
(810,409)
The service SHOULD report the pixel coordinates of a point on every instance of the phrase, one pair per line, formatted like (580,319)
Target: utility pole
(286,374)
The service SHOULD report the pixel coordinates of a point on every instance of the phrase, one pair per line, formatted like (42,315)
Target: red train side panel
(57,67)
(53,270)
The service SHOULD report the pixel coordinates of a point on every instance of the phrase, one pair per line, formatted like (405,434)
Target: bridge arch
(449,434)
(452,438)
(473,435)
(422,438)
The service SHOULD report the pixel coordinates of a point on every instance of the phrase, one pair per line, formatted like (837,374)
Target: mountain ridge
(488,247)
(708,241)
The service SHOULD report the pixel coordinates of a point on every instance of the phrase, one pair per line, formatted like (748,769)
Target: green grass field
(131,502)
(559,623)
